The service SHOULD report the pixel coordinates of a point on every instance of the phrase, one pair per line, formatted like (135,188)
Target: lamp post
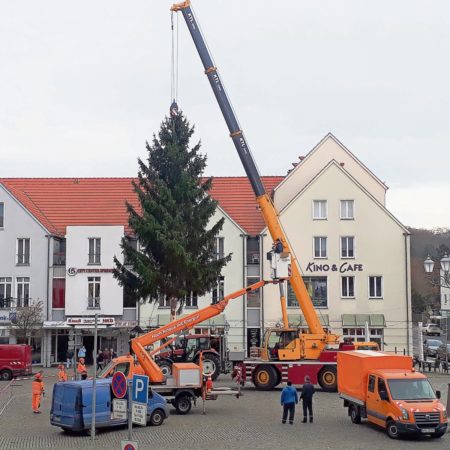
(443,281)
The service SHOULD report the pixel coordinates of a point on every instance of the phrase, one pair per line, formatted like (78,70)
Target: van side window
(371,387)
(381,385)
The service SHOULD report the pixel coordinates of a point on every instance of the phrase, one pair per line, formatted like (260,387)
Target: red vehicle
(187,349)
(15,360)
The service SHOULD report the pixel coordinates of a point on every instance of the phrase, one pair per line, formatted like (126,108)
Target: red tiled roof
(59,202)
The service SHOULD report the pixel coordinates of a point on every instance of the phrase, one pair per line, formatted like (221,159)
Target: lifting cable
(174,68)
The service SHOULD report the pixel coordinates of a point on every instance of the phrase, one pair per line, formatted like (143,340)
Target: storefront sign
(73,271)
(126,323)
(345,267)
(90,321)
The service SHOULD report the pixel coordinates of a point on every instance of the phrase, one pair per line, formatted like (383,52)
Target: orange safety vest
(37,387)
(81,368)
(62,375)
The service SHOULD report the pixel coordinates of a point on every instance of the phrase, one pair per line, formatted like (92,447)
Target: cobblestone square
(253,421)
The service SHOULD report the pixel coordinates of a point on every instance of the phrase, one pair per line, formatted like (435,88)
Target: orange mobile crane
(297,352)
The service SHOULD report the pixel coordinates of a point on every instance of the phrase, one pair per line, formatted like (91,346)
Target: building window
(59,293)
(23,251)
(254,297)
(219,247)
(218,291)
(133,243)
(5,292)
(94,250)
(23,291)
(317,290)
(348,287)
(93,292)
(129,298)
(252,250)
(376,287)
(319,209)
(359,335)
(347,209)
(347,247)
(191,301)
(59,252)
(320,247)
(2,215)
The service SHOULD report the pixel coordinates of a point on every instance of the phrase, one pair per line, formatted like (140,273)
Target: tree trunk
(173,308)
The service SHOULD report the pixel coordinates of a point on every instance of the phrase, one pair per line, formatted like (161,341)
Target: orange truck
(385,389)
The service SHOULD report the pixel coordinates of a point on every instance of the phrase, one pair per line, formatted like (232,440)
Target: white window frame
(382,287)
(220,247)
(94,301)
(94,258)
(21,258)
(320,248)
(22,301)
(5,282)
(357,333)
(2,216)
(218,290)
(191,301)
(348,286)
(345,210)
(342,253)
(314,202)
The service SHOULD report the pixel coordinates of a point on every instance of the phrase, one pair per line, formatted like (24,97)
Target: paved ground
(252,421)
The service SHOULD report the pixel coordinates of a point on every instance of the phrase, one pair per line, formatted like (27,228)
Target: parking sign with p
(139,389)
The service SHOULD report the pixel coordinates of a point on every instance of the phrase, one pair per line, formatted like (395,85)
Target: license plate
(428,430)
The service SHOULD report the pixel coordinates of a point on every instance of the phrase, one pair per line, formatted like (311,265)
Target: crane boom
(183,323)
(263,199)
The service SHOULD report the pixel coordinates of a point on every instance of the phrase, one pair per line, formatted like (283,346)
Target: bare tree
(27,321)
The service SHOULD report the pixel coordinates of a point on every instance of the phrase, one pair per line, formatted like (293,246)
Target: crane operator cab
(281,344)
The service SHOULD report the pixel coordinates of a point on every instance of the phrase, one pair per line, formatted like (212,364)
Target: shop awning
(218,321)
(55,324)
(359,320)
(298,320)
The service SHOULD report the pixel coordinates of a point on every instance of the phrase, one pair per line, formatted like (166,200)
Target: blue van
(72,406)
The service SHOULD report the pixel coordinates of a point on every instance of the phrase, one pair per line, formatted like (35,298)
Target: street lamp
(443,279)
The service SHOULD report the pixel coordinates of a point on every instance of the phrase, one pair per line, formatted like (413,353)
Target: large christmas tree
(177,254)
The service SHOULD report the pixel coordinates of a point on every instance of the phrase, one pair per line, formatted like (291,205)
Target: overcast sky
(84,84)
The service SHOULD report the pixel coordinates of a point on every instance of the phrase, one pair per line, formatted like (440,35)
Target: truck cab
(387,391)
(125,364)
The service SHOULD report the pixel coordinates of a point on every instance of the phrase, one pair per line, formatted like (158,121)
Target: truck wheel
(183,404)
(353,412)
(6,375)
(328,378)
(392,429)
(211,365)
(264,378)
(166,368)
(157,417)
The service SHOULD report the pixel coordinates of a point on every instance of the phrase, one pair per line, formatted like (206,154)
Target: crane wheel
(328,378)
(265,377)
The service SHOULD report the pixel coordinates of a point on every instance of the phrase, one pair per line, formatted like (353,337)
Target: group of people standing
(289,398)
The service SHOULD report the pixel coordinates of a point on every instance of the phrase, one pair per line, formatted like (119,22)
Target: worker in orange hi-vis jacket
(37,390)
(62,374)
(81,367)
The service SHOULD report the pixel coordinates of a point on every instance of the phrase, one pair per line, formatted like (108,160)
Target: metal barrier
(6,396)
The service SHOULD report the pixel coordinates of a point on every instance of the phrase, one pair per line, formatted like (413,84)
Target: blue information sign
(139,389)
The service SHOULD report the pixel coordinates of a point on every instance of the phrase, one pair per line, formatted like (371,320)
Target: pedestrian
(37,390)
(289,399)
(100,360)
(81,367)
(62,374)
(69,358)
(106,357)
(307,397)
(82,352)
(113,354)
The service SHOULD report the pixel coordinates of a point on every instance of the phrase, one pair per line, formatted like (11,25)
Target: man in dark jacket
(289,399)
(306,397)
